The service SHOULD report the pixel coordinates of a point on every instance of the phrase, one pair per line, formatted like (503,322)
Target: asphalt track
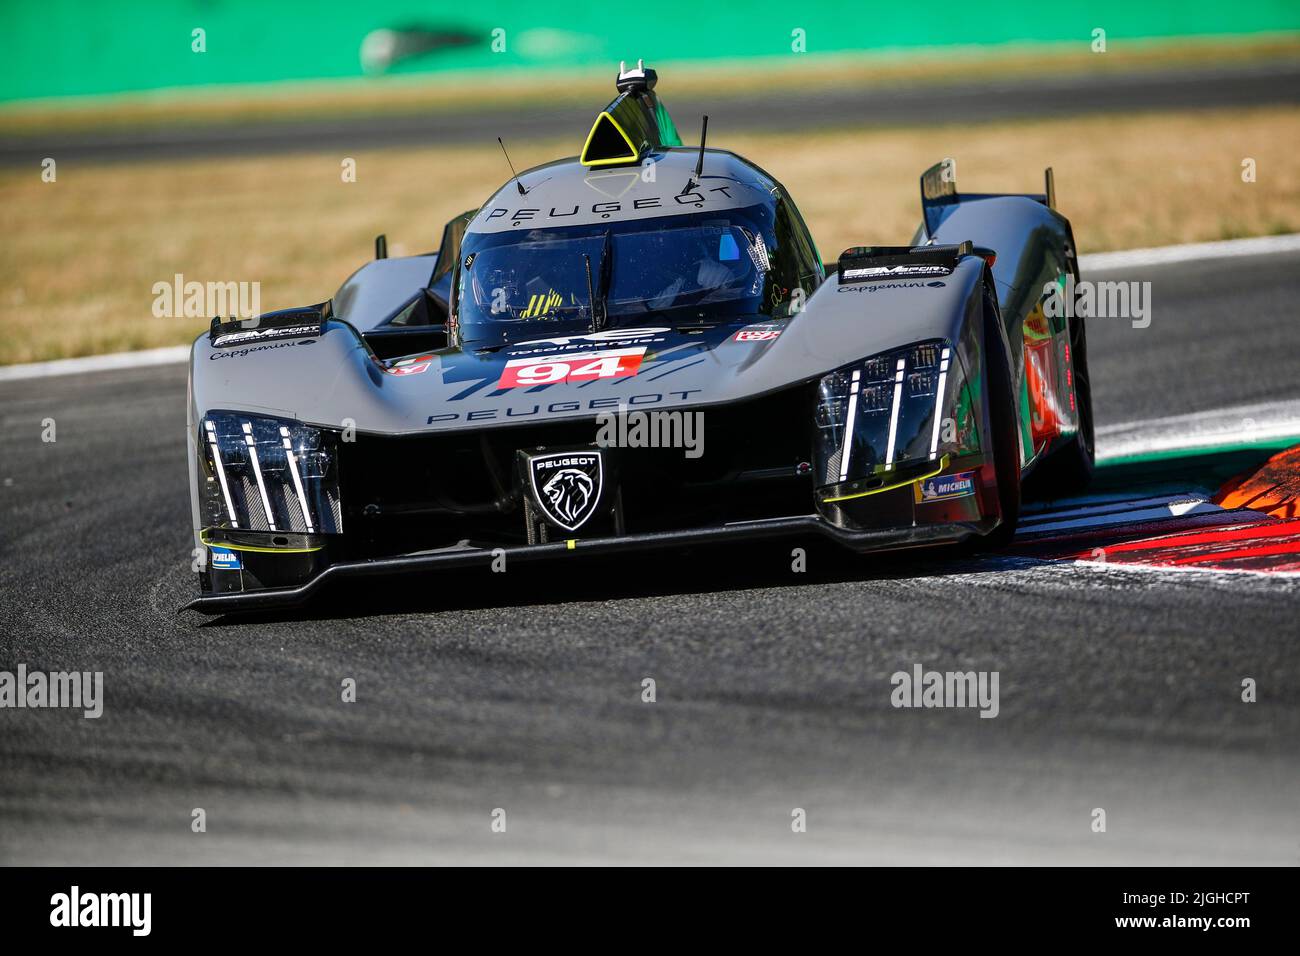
(1258,84)
(1120,689)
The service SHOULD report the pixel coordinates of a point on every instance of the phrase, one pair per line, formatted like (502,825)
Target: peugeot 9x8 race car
(447,409)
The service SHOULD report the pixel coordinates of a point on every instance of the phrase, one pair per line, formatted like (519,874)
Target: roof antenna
(522,190)
(704,135)
(693,182)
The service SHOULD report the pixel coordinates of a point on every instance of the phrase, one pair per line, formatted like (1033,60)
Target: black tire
(1069,469)
(1005,429)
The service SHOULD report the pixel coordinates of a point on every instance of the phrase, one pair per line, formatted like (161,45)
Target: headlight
(886,414)
(268,474)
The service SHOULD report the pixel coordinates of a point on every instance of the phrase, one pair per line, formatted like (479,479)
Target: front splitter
(471,556)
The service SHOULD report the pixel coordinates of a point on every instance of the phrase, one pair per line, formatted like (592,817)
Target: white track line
(96,363)
(1113,567)
(1190,252)
(1161,512)
(1071,509)
(1238,425)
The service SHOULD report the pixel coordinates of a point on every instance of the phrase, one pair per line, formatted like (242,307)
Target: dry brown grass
(81,255)
(1125,182)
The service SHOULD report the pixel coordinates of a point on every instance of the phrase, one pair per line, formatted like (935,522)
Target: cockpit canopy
(636,229)
(700,268)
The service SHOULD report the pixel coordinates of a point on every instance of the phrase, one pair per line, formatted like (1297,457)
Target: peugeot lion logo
(566,487)
(568,492)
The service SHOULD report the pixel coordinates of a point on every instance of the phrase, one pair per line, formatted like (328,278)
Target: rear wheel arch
(1068,469)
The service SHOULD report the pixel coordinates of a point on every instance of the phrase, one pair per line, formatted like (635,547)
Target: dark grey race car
(641,348)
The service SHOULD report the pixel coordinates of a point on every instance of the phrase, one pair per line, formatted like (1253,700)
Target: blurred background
(210,138)
(65,48)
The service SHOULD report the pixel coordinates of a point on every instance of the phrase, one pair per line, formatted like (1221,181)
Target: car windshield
(684,270)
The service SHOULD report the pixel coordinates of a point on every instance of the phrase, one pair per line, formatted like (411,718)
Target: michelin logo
(946,486)
(224,559)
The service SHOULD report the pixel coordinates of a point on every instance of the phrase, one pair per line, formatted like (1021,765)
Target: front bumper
(464,556)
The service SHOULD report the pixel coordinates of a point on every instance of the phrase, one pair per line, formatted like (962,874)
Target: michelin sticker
(945,486)
(223,559)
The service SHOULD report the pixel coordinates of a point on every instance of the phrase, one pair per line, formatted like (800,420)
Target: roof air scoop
(634,124)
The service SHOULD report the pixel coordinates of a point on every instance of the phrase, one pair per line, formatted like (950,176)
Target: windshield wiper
(591,295)
(598,324)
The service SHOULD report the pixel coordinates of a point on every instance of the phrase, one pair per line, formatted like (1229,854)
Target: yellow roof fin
(634,124)
(607,144)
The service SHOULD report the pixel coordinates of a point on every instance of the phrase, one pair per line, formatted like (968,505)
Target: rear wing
(939,194)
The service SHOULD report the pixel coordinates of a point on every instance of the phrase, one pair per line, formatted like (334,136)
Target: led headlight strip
(884,414)
(297,481)
(893,413)
(221,474)
(848,430)
(275,475)
(257,470)
(938,405)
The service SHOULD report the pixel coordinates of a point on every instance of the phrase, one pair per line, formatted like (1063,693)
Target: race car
(640,348)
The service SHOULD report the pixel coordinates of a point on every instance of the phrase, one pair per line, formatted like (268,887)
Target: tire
(1005,429)
(1069,469)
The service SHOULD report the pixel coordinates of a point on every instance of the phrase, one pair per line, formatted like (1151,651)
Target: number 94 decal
(575,367)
